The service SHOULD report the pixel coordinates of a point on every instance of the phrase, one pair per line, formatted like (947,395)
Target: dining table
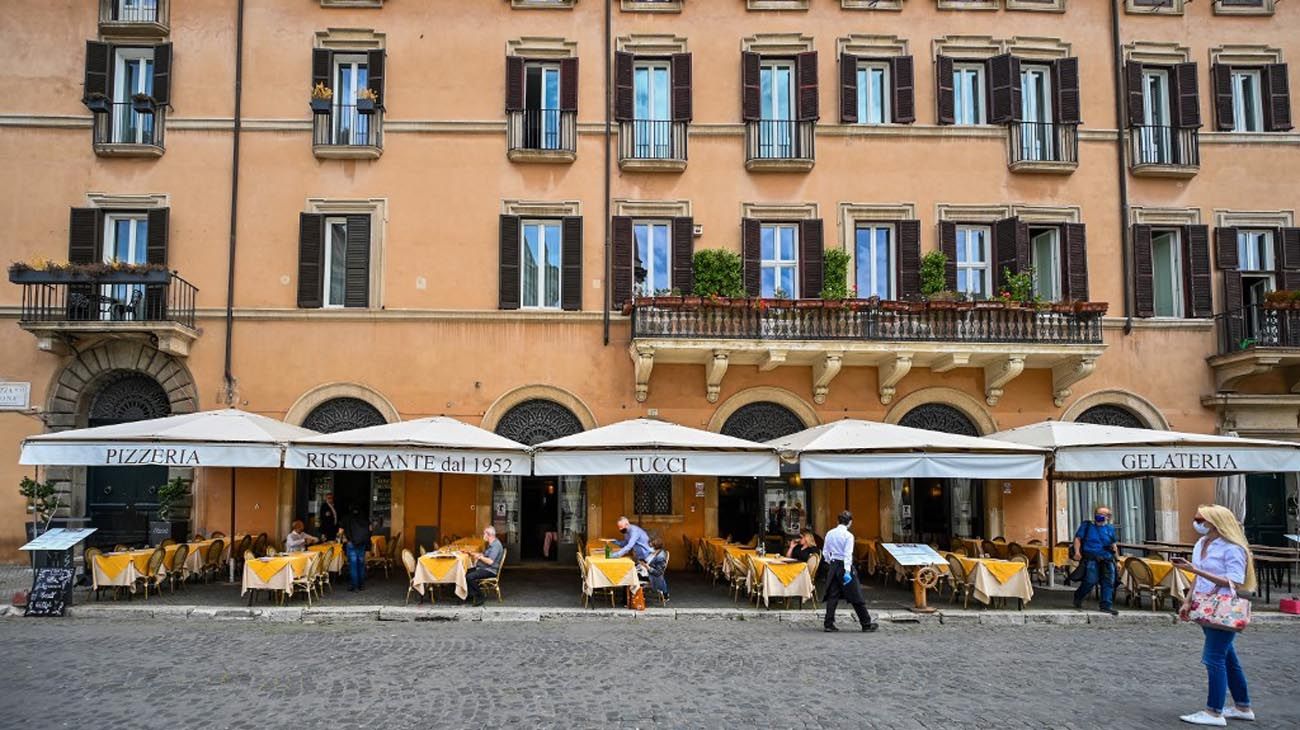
(274,573)
(333,557)
(1177,582)
(442,568)
(605,572)
(992,578)
(122,569)
(781,577)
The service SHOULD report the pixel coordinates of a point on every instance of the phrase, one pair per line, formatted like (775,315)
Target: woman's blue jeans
(1220,660)
(356,564)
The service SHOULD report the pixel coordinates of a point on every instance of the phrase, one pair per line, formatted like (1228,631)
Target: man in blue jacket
(1096,547)
(634,540)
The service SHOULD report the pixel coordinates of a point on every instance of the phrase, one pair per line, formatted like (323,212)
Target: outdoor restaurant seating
(1141,579)
(212,562)
(493,584)
(153,573)
(961,588)
(177,572)
(408,562)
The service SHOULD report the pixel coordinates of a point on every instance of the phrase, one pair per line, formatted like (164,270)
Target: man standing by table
(1096,547)
(841,579)
(356,531)
(635,541)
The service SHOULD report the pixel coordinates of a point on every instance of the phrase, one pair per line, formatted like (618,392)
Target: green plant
(169,495)
(934,273)
(1018,286)
(718,273)
(780,294)
(321,91)
(43,501)
(835,274)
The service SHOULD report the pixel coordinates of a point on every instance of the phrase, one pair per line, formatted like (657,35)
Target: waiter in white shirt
(841,582)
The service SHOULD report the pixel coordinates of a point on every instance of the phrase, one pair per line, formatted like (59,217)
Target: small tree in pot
(169,496)
(43,501)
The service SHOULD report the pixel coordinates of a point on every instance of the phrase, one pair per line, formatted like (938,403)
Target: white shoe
(1205,718)
(1232,713)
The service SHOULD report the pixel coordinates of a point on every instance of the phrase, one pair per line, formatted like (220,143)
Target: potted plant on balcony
(1280,299)
(43,502)
(116,272)
(143,104)
(717,274)
(321,96)
(835,278)
(169,496)
(1063,306)
(1091,307)
(366,100)
(1018,289)
(96,102)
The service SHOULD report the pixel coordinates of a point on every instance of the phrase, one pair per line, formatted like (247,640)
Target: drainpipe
(234,209)
(1121,117)
(609,101)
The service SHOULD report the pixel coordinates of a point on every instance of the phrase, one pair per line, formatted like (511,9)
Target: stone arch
(762,421)
(128,395)
(314,398)
(538,419)
(940,417)
(1145,411)
(968,405)
(525,393)
(83,377)
(764,394)
(343,414)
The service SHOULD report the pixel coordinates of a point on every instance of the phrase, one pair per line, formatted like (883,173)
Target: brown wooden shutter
(904,89)
(571,263)
(1066,83)
(162,74)
(1199,276)
(1074,274)
(85,234)
(98,60)
(623,243)
(750,73)
(1011,248)
(311,260)
(156,247)
(751,255)
(947,111)
(1225,248)
(1277,98)
(1004,89)
(806,72)
(907,267)
(1187,111)
(569,86)
(848,88)
(811,261)
(684,254)
(948,247)
(356,263)
(322,62)
(1288,258)
(1144,299)
(1221,79)
(514,93)
(508,263)
(1135,97)
(1226,258)
(376,66)
(624,81)
(683,104)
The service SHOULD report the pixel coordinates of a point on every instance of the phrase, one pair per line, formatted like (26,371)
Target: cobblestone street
(618,673)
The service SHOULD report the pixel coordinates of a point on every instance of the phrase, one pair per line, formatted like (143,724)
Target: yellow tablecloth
(470,544)
(198,554)
(334,556)
(1179,582)
(780,579)
(441,568)
(378,545)
(271,574)
(611,573)
(997,579)
(114,569)
(1060,555)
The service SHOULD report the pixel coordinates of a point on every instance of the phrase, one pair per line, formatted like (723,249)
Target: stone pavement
(618,674)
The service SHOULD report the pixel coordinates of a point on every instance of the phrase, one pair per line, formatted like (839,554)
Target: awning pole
(440,534)
(231,539)
(1051,531)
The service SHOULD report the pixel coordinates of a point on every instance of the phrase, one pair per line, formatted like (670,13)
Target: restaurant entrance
(370,491)
(933,511)
(540,518)
(1266,509)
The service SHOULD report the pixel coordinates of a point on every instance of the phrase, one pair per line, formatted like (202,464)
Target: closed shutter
(683,104)
(624,73)
(1199,276)
(569,84)
(904,89)
(684,254)
(907,269)
(623,244)
(322,62)
(85,228)
(311,260)
(1221,78)
(751,255)
(514,91)
(806,71)
(376,63)
(946,111)
(156,249)
(162,74)
(1144,299)
(508,263)
(848,88)
(1288,249)
(1277,98)
(948,247)
(1066,81)
(1134,96)
(1004,89)
(1074,275)
(750,73)
(98,59)
(1011,248)
(811,261)
(356,263)
(1187,112)
(571,263)
(1234,301)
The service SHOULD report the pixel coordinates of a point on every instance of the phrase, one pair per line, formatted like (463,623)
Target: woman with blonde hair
(1222,563)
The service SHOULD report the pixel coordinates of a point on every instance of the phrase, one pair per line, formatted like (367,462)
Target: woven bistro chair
(737,575)
(167,543)
(395,550)
(1141,580)
(260,545)
(177,573)
(88,564)
(150,577)
(663,597)
(307,580)
(960,583)
(690,553)
(120,548)
(494,583)
(1035,541)
(217,533)
(989,549)
(408,562)
(814,564)
(212,561)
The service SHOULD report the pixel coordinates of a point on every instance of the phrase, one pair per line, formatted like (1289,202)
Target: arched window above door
(343,414)
(534,421)
(939,417)
(762,421)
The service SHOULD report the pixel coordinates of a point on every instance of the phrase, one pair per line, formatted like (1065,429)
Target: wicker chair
(150,577)
(960,584)
(177,573)
(259,545)
(307,580)
(120,548)
(645,585)
(494,583)
(989,549)
(691,561)
(1035,541)
(167,543)
(408,562)
(1142,580)
(88,561)
(217,534)
(212,561)
(814,564)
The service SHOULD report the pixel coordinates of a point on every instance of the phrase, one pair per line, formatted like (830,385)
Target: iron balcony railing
(110,298)
(344,126)
(134,11)
(779,139)
(886,322)
(1151,145)
(550,130)
(123,125)
(1044,142)
(1257,326)
(652,139)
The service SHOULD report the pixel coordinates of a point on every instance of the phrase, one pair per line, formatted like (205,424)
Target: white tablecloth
(987,586)
(452,567)
(598,570)
(771,585)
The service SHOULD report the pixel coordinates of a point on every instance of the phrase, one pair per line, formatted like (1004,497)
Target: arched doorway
(1131,501)
(773,507)
(369,491)
(539,518)
(935,511)
(120,500)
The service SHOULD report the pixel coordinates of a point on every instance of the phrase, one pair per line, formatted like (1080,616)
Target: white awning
(227,437)
(437,444)
(855,449)
(648,446)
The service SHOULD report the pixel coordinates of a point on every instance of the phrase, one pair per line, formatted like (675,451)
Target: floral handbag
(1217,610)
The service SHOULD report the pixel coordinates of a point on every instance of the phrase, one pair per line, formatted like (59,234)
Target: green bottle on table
(608,552)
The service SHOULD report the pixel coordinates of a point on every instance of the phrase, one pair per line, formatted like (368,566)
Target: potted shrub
(96,102)
(944,300)
(1018,288)
(718,273)
(1091,307)
(143,104)
(366,100)
(169,496)
(934,273)
(43,501)
(1280,299)
(321,95)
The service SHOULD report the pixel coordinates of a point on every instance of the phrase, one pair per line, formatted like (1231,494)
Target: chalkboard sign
(51,592)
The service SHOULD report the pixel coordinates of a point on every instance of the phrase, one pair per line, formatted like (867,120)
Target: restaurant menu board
(51,592)
(1293,538)
(908,554)
(60,538)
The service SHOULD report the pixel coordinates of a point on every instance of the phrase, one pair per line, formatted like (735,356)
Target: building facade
(349,212)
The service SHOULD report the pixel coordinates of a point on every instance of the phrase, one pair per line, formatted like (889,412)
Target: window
(351,75)
(973,266)
(1167,273)
(653,266)
(1036,113)
(652,98)
(874,257)
(779,260)
(542,106)
(652,494)
(1255,250)
(540,268)
(133,74)
(135,11)
(776,110)
(336,259)
(873,93)
(1045,252)
(126,239)
(1247,111)
(1156,143)
(968,93)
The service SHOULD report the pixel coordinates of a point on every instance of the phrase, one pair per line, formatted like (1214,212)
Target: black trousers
(472,578)
(837,590)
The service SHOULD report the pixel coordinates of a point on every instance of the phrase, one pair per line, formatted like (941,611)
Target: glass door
(350,128)
(653,99)
(1156,144)
(777,134)
(125,241)
(134,75)
(1036,113)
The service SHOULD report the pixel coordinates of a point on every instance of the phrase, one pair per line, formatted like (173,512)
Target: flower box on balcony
(143,104)
(1091,307)
(97,103)
(76,276)
(892,305)
(320,106)
(808,303)
(990,304)
(942,305)
(1063,307)
(365,106)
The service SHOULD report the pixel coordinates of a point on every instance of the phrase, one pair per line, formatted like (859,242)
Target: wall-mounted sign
(693,463)
(301,456)
(15,396)
(699,489)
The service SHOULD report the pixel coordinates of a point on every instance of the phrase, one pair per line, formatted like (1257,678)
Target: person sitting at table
(653,569)
(1095,546)
(356,534)
(487,564)
(297,540)
(635,541)
(803,547)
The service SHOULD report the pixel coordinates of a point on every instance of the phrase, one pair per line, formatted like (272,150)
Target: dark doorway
(370,492)
(539,511)
(942,509)
(1266,509)
(740,509)
(742,513)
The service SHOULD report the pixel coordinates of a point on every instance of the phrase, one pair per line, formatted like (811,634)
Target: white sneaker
(1232,713)
(1205,718)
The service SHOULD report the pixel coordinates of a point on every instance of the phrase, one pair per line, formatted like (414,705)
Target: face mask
(1202,528)
(623,530)
(1099,518)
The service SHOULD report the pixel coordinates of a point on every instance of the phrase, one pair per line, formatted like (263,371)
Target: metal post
(231,538)
(1051,531)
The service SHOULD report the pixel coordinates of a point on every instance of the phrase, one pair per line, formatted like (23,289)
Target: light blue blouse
(1222,558)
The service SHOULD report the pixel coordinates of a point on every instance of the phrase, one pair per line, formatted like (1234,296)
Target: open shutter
(508,263)
(1134,97)
(624,108)
(1234,298)
(1277,98)
(1074,274)
(156,248)
(1188,109)
(1288,258)
(1221,78)
(311,260)
(1066,84)
(1199,277)
(514,90)
(569,84)
(1144,300)
(907,270)
(751,255)
(321,62)
(682,81)
(97,63)
(356,263)
(684,254)
(948,247)
(811,253)
(750,73)
(623,243)
(375,69)
(806,71)
(84,235)
(1225,249)
(947,111)
(1011,248)
(571,263)
(904,89)
(1004,89)
(848,88)
(162,74)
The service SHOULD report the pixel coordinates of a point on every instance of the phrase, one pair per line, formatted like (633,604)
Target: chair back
(1014,549)
(271,552)
(814,564)
(248,555)
(999,538)
(155,561)
(167,543)
(1035,541)
(199,536)
(408,561)
(502,567)
(1140,572)
(421,549)
(120,548)
(88,557)
(988,548)
(1021,558)
(214,552)
(217,533)
(259,544)
(958,550)
(394,546)
(178,557)
(957,569)
(245,544)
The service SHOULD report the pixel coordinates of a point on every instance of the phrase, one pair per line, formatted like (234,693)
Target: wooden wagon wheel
(928,577)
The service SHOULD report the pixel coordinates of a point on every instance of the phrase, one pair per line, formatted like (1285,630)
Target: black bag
(1081,570)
